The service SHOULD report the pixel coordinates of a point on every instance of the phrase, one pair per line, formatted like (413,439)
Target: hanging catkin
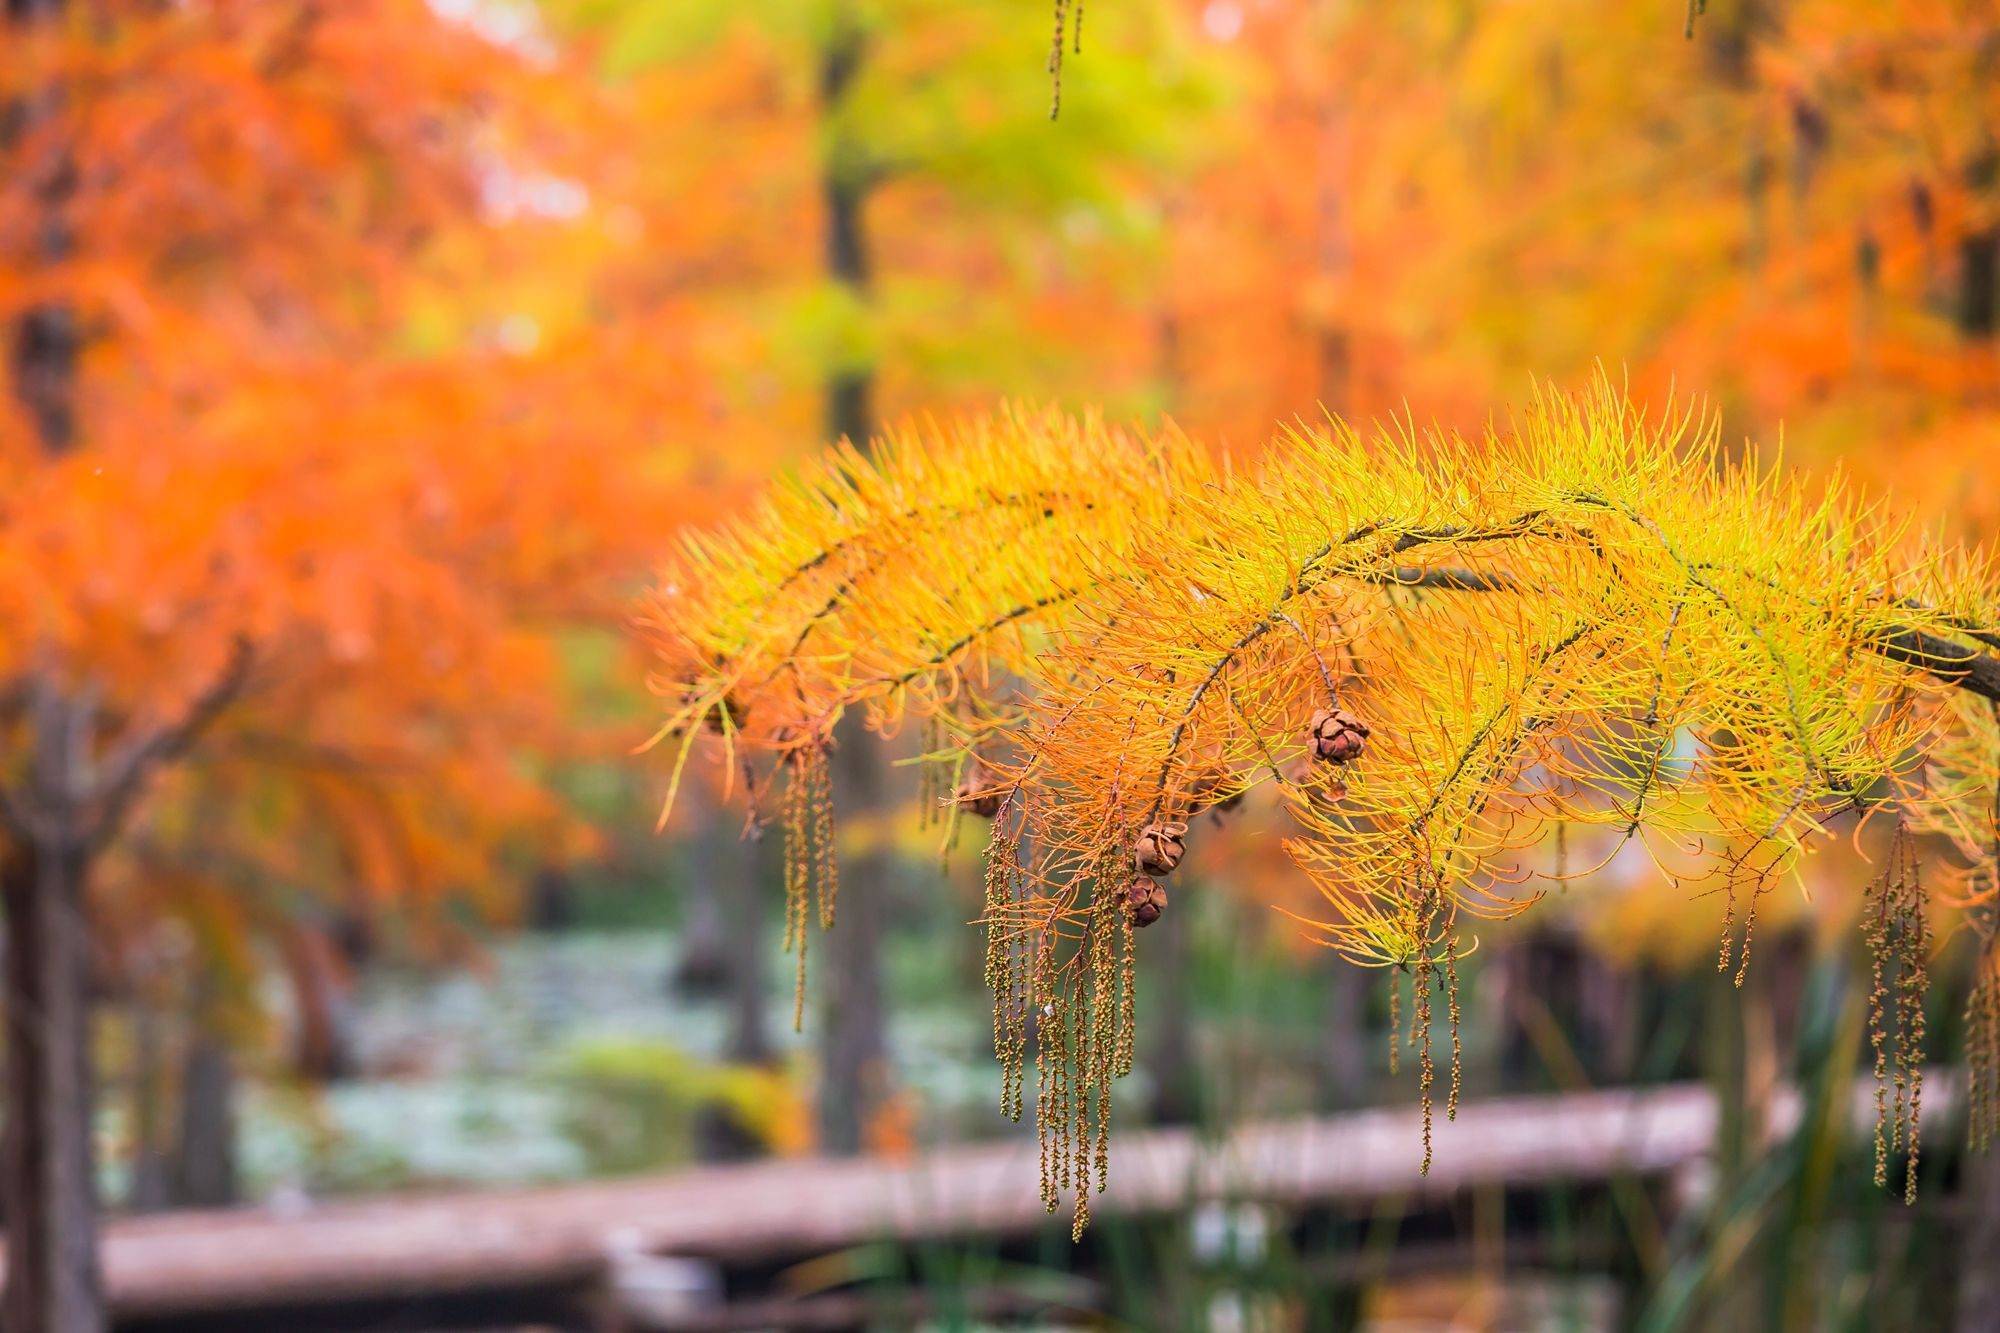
(812,875)
(1898,936)
(1457,1050)
(1982,1006)
(1077,987)
(1006,965)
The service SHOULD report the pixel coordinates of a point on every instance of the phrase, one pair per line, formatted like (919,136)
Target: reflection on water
(496,1076)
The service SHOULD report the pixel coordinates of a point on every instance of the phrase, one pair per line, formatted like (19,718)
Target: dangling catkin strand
(1056,59)
(1982,1024)
(799,987)
(1749,933)
(1085,1141)
(1876,930)
(812,875)
(1728,948)
(1105,1010)
(1060,1058)
(1006,959)
(1420,1032)
(1915,964)
(1128,996)
(797,889)
(1982,1006)
(1045,1065)
(1457,1051)
(1897,930)
(826,868)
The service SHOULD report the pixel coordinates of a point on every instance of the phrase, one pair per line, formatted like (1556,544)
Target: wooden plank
(414,1245)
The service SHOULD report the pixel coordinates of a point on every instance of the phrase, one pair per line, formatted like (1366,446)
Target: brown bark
(749,954)
(1167,1016)
(853,1039)
(48,1188)
(854,1044)
(322,986)
(47,1169)
(204,1162)
(1979,1272)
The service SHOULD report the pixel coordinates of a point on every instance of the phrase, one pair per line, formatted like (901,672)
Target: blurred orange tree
(847,208)
(1796,211)
(290,527)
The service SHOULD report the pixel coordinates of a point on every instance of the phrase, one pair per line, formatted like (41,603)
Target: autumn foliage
(288,538)
(1437,649)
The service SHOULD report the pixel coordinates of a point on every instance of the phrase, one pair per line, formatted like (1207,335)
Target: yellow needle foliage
(1439,649)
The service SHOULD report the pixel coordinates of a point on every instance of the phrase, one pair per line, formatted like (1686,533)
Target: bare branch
(126,769)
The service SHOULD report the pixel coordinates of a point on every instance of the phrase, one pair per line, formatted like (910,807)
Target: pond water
(490,1076)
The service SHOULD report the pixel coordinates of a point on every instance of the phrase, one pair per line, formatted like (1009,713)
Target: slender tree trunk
(853,1038)
(1167,1014)
(48,1180)
(854,1044)
(749,953)
(1979,324)
(1348,1057)
(844,187)
(710,900)
(1979,283)
(149,1189)
(48,1185)
(1979,1270)
(323,1046)
(204,1174)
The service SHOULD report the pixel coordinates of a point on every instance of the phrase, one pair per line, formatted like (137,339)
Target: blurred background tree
(283,569)
(963,251)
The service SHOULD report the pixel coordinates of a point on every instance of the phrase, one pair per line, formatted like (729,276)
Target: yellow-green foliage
(1582,617)
(640,1102)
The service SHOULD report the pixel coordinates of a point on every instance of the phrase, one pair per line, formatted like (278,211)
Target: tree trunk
(1348,1056)
(709,900)
(853,1039)
(149,1189)
(1979,1251)
(854,1046)
(48,1169)
(1979,283)
(749,953)
(1165,1012)
(323,1046)
(204,1174)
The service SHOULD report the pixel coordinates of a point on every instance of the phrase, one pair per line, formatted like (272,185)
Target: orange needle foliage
(287,536)
(1436,648)
(268,480)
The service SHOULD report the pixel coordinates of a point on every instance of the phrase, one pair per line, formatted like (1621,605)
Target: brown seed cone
(981,793)
(1338,736)
(1145,899)
(1159,848)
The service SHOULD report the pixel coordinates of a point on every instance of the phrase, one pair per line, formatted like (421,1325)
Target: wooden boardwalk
(416,1246)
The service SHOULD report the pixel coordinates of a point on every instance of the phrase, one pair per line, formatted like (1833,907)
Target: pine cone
(1338,736)
(980,794)
(1145,899)
(1159,848)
